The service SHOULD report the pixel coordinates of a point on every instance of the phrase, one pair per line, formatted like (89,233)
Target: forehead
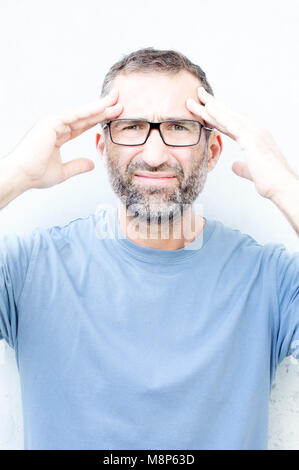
(156,95)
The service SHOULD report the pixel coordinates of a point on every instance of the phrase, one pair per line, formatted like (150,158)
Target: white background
(54,54)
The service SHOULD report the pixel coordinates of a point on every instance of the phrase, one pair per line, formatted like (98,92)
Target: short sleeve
(16,253)
(287,287)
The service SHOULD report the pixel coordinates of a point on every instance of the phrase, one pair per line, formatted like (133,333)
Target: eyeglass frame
(156,125)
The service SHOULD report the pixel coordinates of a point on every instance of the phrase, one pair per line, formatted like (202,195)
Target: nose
(154,151)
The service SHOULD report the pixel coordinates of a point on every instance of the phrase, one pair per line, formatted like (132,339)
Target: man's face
(156,97)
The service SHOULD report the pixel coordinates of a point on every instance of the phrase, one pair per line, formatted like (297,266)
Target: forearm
(286,199)
(12,183)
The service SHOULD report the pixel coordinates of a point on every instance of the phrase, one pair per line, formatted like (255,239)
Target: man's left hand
(264,163)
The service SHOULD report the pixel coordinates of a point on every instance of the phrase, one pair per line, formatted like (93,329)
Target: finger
(217,110)
(241,169)
(72,116)
(203,95)
(219,116)
(112,112)
(65,132)
(213,107)
(108,113)
(197,109)
(76,167)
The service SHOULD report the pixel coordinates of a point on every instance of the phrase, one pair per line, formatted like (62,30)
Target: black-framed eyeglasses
(175,133)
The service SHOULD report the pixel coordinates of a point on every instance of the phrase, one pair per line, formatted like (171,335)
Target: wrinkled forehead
(155,95)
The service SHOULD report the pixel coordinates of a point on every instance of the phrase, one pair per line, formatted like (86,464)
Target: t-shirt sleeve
(16,253)
(287,287)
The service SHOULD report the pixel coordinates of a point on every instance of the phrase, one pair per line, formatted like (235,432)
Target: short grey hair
(154,60)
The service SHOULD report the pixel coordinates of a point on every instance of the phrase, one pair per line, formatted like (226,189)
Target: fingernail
(189,101)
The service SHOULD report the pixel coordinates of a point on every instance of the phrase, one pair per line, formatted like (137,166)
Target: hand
(37,158)
(264,163)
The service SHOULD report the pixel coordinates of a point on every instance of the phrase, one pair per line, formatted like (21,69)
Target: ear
(214,150)
(101,148)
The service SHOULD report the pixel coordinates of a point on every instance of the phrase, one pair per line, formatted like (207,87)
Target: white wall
(55,53)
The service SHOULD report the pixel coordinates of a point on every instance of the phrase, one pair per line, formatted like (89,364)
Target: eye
(131,127)
(180,126)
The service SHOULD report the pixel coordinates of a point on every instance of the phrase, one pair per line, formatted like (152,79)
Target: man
(149,327)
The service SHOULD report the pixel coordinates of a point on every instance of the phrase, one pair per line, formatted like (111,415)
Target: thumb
(75,167)
(241,169)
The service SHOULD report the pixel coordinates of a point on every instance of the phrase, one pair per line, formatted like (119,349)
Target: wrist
(12,173)
(289,186)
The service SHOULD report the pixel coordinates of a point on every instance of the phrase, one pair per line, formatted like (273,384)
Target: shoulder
(240,245)
(72,228)
(76,231)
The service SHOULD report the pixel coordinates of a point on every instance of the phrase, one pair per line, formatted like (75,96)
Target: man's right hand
(37,157)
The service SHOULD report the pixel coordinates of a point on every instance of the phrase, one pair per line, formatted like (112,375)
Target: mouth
(155,179)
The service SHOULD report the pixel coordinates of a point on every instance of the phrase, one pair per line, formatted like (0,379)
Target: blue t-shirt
(120,346)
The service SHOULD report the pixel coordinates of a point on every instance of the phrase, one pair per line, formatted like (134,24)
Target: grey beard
(158,205)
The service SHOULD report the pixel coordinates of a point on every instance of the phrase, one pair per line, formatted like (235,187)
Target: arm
(286,199)
(36,161)
(264,164)
(12,182)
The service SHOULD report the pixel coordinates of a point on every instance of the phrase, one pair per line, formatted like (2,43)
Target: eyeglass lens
(134,132)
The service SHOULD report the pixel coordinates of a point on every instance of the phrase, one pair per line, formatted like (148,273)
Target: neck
(169,235)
